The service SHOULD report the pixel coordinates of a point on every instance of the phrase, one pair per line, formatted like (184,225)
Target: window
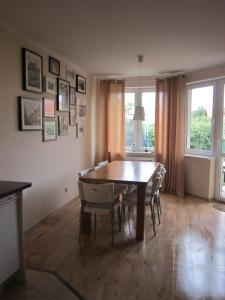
(148,126)
(140,135)
(129,113)
(200,131)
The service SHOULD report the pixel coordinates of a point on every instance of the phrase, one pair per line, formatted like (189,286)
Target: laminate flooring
(186,260)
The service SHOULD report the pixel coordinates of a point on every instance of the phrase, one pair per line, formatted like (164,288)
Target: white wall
(50,166)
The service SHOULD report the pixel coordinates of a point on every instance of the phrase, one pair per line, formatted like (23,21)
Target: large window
(200,131)
(140,135)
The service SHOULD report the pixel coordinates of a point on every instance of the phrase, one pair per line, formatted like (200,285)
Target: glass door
(220,145)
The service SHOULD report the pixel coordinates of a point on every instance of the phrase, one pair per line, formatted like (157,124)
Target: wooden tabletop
(131,172)
(10,187)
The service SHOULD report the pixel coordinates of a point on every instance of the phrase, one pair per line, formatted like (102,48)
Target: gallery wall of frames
(64,105)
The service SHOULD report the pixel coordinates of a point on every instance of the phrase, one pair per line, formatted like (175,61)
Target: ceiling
(104,37)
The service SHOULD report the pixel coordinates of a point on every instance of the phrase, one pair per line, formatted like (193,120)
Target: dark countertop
(9,187)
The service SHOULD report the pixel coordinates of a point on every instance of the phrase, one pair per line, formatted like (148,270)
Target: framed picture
(30,114)
(70,74)
(49,130)
(72,96)
(63,124)
(53,66)
(81,112)
(81,84)
(63,95)
(49,107)
(80,130)
(50,85)
(32,71)
(72,115)
(81,109)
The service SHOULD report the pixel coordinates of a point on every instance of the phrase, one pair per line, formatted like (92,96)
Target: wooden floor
(185,261)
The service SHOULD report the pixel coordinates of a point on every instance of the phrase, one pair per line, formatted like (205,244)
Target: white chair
(99,199)
(162,171)
(152,196)
(84,172)
(150,190)
(103,163)
(130,199)
(97,167)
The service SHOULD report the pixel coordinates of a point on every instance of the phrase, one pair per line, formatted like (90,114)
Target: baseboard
(202,198)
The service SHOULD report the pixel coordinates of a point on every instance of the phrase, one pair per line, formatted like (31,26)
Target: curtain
(111,120)
(169,140)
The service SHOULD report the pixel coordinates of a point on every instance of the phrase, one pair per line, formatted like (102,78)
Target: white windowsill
(139,153)
(140,156)
(199,156)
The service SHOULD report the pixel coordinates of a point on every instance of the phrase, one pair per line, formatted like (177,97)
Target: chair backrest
(96,193)
(103,163)
(156,179)
(85,172)
(160,167)
(97,167)
(162,173)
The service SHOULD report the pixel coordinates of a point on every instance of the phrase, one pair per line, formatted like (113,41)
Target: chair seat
(101,208)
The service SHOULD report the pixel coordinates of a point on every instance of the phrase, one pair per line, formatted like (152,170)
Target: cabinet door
(9,238)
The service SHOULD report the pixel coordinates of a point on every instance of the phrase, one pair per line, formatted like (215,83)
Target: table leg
(140,224)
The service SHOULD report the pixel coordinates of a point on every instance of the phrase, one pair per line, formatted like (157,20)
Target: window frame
(138,124)
(188,150)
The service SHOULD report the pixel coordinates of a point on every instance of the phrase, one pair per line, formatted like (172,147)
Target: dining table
(137,173)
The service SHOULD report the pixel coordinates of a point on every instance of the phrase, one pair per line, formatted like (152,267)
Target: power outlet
(66,189)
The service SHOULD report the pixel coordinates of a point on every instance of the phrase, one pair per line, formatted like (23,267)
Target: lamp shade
(139,113)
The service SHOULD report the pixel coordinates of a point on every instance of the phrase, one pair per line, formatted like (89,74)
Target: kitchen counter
(10,187)
(11,231)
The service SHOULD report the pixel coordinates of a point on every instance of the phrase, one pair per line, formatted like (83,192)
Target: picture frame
(50,86)
(30,114)
(80,84)
(54,66)
(63,126)
(80,130)
(48,108)
(49,130)
(63,95)
(72,96)
(32,71)
(81,109)
(81,112)
(72,115)
(70,74)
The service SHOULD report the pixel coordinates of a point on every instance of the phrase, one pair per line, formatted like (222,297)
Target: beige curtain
(111,120)
(169,141)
